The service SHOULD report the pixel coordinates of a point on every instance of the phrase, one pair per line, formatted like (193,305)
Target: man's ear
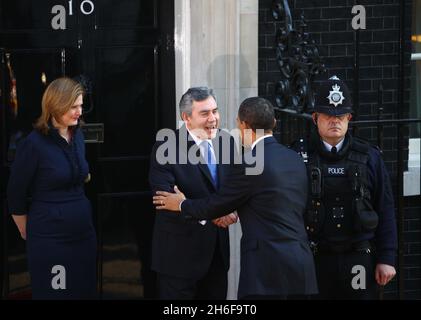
(314,116)
(184,116)
(350,117)
(246,125)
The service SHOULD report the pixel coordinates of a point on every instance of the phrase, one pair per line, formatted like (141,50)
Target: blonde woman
(50,168)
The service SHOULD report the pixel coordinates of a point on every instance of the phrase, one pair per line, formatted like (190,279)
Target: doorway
(123,52)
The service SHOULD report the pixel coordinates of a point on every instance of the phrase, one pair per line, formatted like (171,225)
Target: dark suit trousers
(213,286)
(334,276)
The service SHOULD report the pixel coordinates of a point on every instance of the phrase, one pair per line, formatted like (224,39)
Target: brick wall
(329,24)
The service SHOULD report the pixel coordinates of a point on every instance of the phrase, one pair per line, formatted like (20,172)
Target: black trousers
(346,276)
(213,286)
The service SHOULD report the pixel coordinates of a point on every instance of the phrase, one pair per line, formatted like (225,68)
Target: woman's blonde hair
(58,98)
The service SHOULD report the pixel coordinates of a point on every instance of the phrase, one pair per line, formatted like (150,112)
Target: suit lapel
(205,170)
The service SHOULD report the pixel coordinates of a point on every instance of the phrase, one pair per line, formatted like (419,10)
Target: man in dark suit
(191,258)
(276,260)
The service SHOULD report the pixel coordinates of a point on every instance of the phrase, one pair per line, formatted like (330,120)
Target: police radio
(316,182)
(315,212)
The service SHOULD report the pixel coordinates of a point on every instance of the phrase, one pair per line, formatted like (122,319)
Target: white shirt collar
(260,139)
(197,140)
(338,146)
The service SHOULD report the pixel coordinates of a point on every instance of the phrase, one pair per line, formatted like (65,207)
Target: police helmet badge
(336,97)
(333,97)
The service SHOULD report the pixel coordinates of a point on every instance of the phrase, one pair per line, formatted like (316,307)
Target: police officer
(350,217)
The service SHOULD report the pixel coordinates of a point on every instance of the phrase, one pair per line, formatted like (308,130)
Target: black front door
(124,52)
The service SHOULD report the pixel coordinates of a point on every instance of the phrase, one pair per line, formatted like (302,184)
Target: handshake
(225,221)
(172,202)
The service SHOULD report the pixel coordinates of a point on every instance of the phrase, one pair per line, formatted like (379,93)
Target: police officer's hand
(384,273)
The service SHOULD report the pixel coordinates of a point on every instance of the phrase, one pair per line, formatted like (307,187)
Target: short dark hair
(194,94)
(258,113)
